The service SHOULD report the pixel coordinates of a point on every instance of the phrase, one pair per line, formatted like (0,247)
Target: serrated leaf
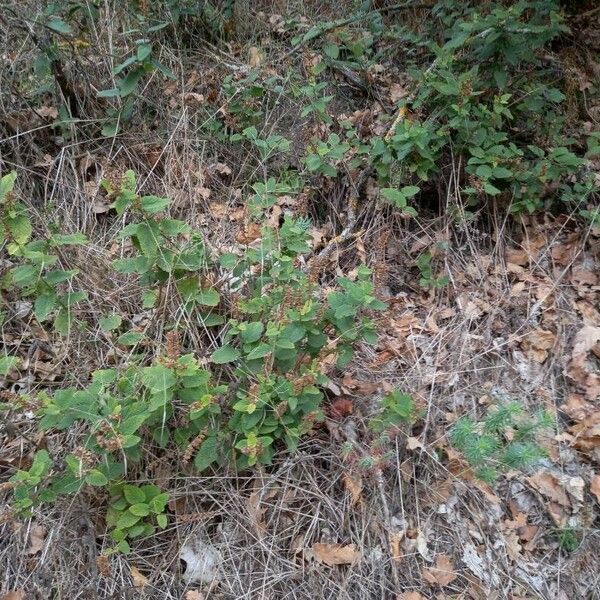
(20,228)
(7,184)
(110,323)
(206,455)
(139,510)
(208,297)
(44,305)
(127,520)
(96,478)
(225,354)
(154,204)
(133,494)
(260,351)
(158,378)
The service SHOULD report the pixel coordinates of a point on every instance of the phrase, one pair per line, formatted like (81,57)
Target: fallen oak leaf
(595,487)
(138,579)
(335,554)
(442,574)
(354,485)
(13,595)
(36,539)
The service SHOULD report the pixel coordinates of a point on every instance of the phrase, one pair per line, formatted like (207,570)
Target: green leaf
(154,204)
(208,297)
(8,363)
(147,240)
(127,520)
(139,510)
(62,321)
(490,189)
(332,50)
(67,239)
(207,454)
(158,378)
(149,298)
(20,228)
(483,171)
(110,323)
(260,351)
(410,190)
(143,52)
(129,83)
(225,354)
(158,503)
(58,25)
(251,332)
(7,184)
(24,275)
(133,494)
(124,547)
(96,478)
(161,521)
(110,128)
(132,424)
(130,338)
(44,305)
(59,276)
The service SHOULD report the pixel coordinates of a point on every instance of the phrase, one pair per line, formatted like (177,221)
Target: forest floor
(519,319)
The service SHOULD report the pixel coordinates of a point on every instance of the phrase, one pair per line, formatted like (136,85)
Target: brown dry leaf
(138,579)
(103,565)
(511,543)
(595,486)
(193,99)
(256,56)
(48,112)
(537,343)
(354,485)
(248,234)
(36,539)
(587,337)
(442,574)
(397,92)
(194,595)
(256,511)
(549,486)
(413,443)
(410,596)
(13,595)
(585,340)
(516,256)
(336,554)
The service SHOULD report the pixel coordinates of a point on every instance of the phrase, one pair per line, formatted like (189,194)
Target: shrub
(260,391)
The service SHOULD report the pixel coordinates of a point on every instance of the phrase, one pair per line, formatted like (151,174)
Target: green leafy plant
(35,275)
(134,511)
(325,156)
(428,278)
(282,338)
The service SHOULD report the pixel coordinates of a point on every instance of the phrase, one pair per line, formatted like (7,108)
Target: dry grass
(455,350)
